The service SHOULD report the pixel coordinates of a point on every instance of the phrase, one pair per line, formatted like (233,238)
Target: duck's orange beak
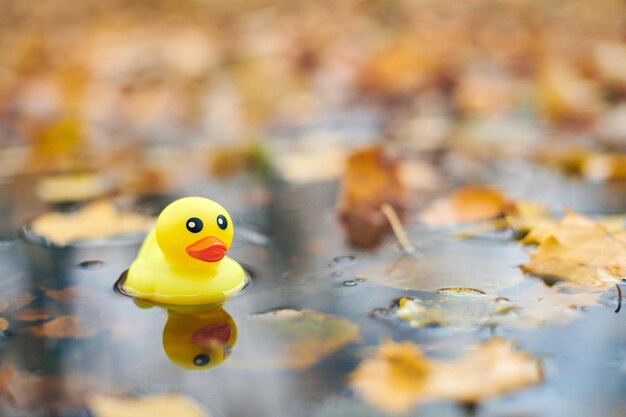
(208,249)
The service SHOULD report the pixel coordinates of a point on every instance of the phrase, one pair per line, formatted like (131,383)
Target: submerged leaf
(161,405)
(466,205)
(304,337)
(371,179)
(581,251)
(454,307)
(400,376)
(95,221)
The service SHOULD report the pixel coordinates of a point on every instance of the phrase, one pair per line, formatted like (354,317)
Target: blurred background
(125,87)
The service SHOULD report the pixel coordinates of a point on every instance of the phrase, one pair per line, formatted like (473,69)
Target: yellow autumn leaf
(579,250)
(72,187)
(161,405)
(466,205)
(399,376)
(94,221)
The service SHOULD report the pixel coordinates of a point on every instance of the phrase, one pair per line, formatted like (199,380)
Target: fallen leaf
(466,205)
(72,187)
(94,221)
(161,405)
(573,224)
(566,95)
(303,337)
(595,166)
(399,376)
(4,324)
(454,307)
(371,179)
(63,327)
(581,251)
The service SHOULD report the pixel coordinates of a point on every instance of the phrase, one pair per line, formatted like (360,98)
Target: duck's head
(199,341)
(194,230)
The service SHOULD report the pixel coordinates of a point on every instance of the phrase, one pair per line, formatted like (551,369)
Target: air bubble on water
(349,283)
(336,274)
(342,260)
(91,264)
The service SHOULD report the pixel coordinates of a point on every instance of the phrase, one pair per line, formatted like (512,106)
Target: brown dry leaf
(400,376)
(581,251)
(72,187)
(466,205)
(94,221)
(304,337)
(4,324)
(161,405)
(371,179)
(63,327)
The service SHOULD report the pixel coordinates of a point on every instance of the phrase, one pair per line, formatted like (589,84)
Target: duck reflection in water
(199,341)
(196,337)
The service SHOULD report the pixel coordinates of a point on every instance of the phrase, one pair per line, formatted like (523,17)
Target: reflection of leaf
(466,205)
(32,394)
(561,303)
(400,376)
(304,337)
(33,314)
(63,327)
(454,307)
(94,221)
(581,251)
(162,405)
(371,179)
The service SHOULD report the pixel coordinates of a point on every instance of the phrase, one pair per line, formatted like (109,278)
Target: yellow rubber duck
(182,261)
(199,341)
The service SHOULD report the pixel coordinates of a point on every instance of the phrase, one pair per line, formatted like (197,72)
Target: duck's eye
(201,359)
(222,223)
(194,225)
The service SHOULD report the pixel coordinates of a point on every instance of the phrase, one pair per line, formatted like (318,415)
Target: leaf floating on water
(95,221)
(63,327)
(161,405)
(454,307)
(304,337)
(466,205)
(595,166)
(371,179)
(399,376)
(581,251)
(72,187)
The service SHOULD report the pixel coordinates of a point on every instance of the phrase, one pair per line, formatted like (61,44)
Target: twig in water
(397,227)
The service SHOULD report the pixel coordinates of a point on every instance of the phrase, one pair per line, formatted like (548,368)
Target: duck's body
(181,267)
